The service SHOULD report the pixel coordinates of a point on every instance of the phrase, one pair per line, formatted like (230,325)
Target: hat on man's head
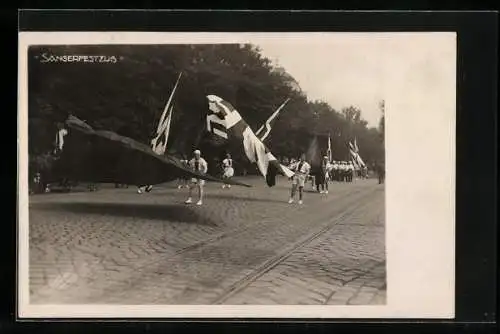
(197,152)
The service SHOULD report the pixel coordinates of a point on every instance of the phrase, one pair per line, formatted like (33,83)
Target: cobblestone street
(243,246)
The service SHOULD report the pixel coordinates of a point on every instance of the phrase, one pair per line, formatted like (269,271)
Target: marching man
(325,176)
(302,169)
(200,165)
(183,180)
(227,164)
(350,171)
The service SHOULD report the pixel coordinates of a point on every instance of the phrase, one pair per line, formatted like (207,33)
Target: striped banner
(237,130)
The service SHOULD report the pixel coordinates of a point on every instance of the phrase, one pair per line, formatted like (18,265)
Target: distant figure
(227,165)
(37,186)
(323,177)
(302,170)
(92,187)
(351,171)
(183,181)
(346,171)
(380,169)
(334,170)
(292,166)
(197,164)
(341,171)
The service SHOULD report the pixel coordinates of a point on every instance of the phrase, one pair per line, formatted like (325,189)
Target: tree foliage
(128,96)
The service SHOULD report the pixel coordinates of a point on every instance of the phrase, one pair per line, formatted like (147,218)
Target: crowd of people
(338,171)
(320,178)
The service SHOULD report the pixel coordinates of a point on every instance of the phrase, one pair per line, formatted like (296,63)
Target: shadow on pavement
(169,212)
(230,196)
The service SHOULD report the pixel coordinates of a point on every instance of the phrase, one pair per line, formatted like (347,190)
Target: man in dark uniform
(380,169)
(323,176)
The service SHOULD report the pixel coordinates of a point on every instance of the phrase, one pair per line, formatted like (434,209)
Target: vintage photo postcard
(236,175)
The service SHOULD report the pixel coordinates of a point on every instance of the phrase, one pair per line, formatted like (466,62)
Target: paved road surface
(243,246)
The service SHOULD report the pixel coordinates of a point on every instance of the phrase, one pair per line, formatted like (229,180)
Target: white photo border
(420,197)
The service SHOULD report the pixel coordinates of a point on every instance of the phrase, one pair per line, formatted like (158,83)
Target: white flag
(159,143)
(329,152)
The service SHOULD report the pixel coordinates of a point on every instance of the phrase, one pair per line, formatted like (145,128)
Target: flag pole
(164,123)
(329,147)
(167,106)
(267,124)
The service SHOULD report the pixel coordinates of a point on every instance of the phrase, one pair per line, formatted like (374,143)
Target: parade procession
(224,121)
(200,174)
(231,127)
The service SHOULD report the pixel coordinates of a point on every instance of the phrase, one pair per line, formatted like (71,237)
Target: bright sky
(341,71)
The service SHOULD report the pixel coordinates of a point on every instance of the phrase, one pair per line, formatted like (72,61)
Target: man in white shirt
(302,170)
(200,165)
(227,165)
(324,176)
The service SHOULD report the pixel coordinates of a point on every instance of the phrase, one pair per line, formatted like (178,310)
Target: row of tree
(128,95)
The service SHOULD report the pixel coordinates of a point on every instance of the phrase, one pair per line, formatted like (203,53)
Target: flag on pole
(356,149)
(159,143)
(329,151)
(353,154)
(360,161)
(269,122)
(351,146)
(355,163)
(239,132)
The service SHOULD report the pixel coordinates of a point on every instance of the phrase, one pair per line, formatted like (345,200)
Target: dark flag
(226,122)
(108,157)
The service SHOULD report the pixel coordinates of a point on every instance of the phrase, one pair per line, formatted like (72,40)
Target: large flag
(267,125)
(159,143)
(225,121)
(100,156)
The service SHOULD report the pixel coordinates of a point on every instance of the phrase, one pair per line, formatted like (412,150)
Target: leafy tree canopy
(128,96)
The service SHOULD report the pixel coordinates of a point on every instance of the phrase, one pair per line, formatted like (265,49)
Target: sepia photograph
(231,171)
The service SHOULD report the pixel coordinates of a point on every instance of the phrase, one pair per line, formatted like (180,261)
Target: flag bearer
(200,165)
(323,176)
